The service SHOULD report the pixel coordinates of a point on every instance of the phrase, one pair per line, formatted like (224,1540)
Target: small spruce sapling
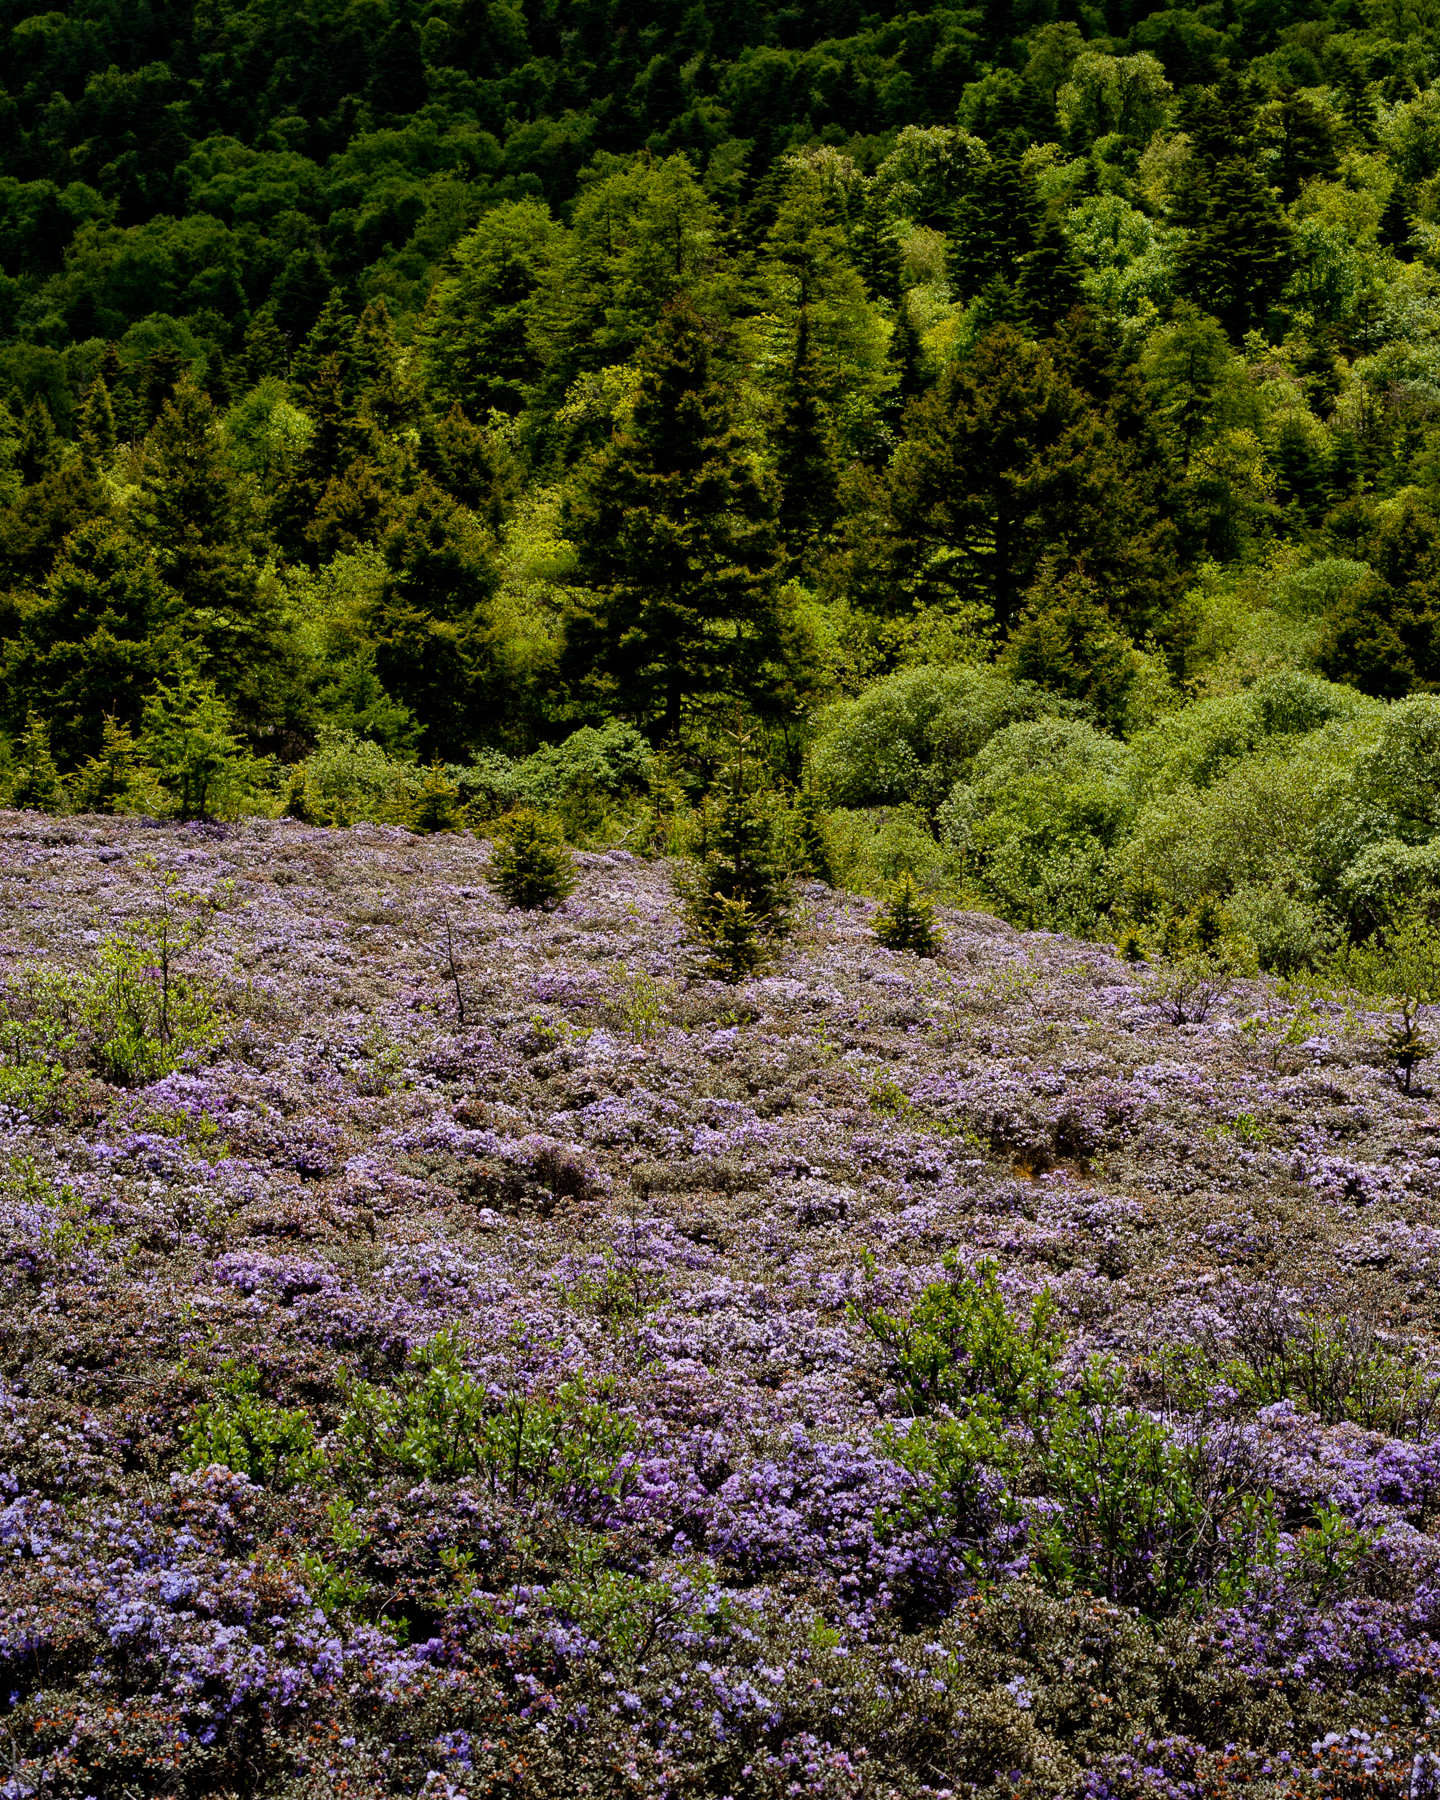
(36,785)
(1405,1043)
(737,901)
(530,865)
(907,920)
(438,806)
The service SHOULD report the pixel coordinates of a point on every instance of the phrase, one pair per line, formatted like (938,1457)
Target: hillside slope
(656,1512)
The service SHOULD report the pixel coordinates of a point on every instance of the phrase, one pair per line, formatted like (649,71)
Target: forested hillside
(1022,426)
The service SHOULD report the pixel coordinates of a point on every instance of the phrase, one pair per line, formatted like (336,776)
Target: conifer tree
(1237,257)
(375,377)
(36,784)
(674,533)
(906,357)
(266,352)
(97,427)
(40,453)
(805,457)
(330,336)
(1049,276)
(875,250)
(995,228)
(117,779)
(188,512)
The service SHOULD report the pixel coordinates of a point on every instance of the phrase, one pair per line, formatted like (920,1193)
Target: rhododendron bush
(466,1351)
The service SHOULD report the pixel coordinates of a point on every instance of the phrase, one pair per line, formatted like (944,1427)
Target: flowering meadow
(461,1351)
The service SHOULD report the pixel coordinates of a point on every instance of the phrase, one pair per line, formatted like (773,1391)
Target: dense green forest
(1022,421)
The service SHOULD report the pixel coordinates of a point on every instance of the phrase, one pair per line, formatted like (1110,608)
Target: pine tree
(675,540)
(1237,257)
(530,865)
(875,250)
(266,352)
(437,806)
(1003,466)
(188,512)
(1050,276)
(375,377)
(189,738)
(330,336)
(812,841)
(805,458)
(995,228)
(117,780)
(907,358)
(97,427)
(35,785)
(907,919)
(40,453)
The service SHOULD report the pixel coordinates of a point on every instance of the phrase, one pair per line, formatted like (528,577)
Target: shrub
(907,920)
(438,1422)
(959,1345)
(1405,1044)
(529,863)
(143,1012)
(269,1444)
(349,777)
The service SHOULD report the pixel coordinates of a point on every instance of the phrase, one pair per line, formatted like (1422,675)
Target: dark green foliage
(530,866)
(675,535)
(805,458)
(907,919)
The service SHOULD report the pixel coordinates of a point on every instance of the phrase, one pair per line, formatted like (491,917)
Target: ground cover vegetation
(474,1347)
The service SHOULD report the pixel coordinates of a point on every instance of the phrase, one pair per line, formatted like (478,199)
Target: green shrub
(732,945)
(271,1445)
(349,777)
(143,1012)
(438,1422)
(529,865)
(959,1346)
(907,920)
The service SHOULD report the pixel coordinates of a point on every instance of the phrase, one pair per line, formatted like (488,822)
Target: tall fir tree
(674,532)
(995,228)
(97,427)
(804,442)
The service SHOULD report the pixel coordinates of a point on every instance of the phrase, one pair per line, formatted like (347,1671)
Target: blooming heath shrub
(473,1350)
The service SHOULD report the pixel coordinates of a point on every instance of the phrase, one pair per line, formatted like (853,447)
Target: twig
(450,963)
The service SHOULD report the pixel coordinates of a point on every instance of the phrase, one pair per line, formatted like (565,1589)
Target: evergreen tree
(330,337)
(188,512)
(675,538)
(1237,257)
(35,784)
(376,381)
(1050,276)
(1003,466)
(805,457)
(995,229)
(189,738)
(435,650)
(906,358)
(116,780)
(266,352)
(97,427)
(875,250)
(40,453)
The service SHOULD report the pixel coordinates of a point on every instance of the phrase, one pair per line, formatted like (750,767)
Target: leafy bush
(911,736)
(271,1445)
(438,1422)
(529,864)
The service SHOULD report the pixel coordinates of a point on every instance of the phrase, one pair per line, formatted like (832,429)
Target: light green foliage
(529,865)
(271,1445)
(871,850)
(907,920)
(911,736)
(438,1422)
(189,738)
(1114,96)
(349,777)
(267,431)
(1194,747)
(960,1350)
(143,1012)
(640,1001)
(1046,805)
(1128,257)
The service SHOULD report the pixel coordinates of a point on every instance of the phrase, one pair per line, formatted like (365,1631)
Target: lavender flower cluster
(599,1476)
